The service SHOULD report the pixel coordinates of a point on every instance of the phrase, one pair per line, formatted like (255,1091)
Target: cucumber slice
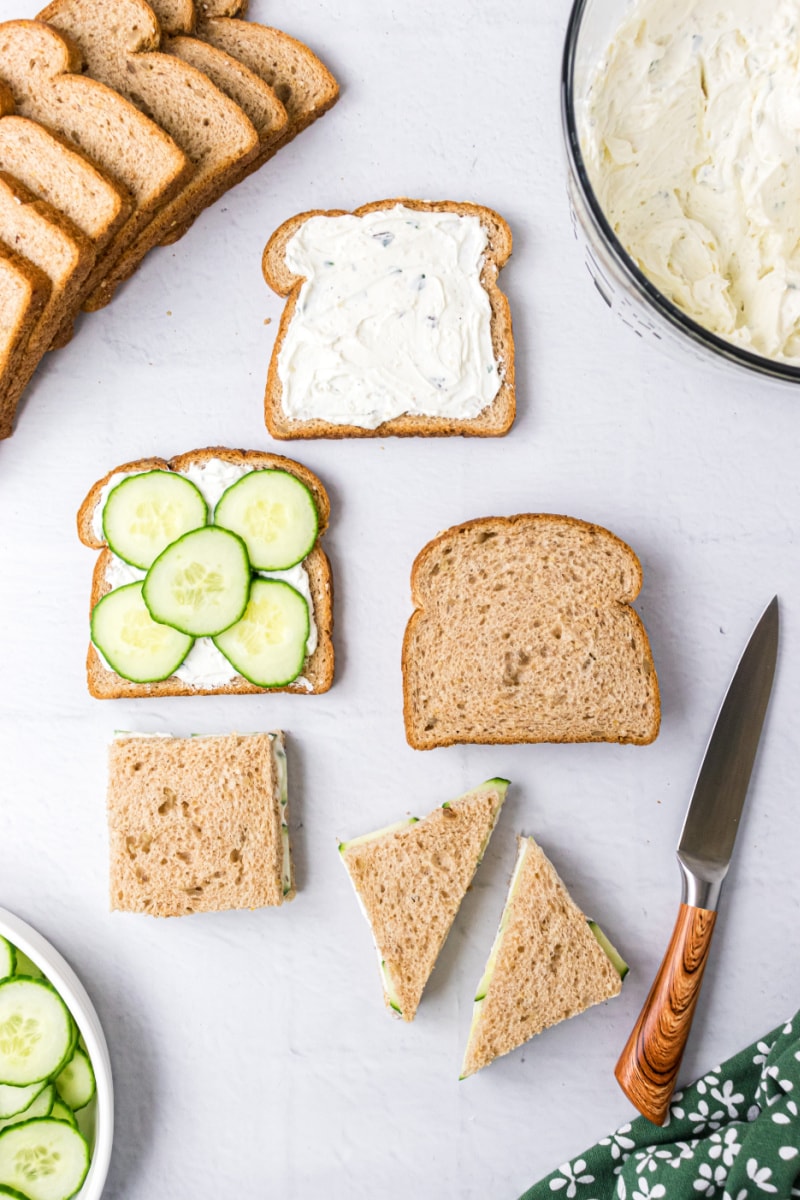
(7,1193)
(26,966)
(14,1100)
(62,1112)
(268,645)
(200,584)
(147,512)
(75,1084)
(131,642)
(44,1159)
(36,1032)
(8,959)
(276,516)
(42,1106)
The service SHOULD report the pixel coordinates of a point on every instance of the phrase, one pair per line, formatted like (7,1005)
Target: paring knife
(648,1066)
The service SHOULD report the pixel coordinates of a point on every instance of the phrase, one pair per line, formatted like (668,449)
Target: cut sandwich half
(547,963)
(410,879)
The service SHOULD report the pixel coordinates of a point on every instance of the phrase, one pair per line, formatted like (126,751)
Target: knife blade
(648,1067)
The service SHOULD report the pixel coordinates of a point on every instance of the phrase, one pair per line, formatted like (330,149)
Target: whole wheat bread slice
(297,76)
(105,684)
(52,243)
(494,421)
(24,292)
(410,880)
(545,965)
(255,97)
(301,82)
(66,179)
(120,43)
(198,824)
(42,70)
(522,631)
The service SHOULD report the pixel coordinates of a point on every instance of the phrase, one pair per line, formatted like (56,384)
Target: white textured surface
(251,1051)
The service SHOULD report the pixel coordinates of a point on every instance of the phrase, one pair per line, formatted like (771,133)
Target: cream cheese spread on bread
(204,665)
(391,318)
(691,134)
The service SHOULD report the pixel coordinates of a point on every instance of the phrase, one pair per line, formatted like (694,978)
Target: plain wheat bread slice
(297,76)
(119,41)
(24,292)
(309,296)
(317,677)
(545,965)
(301,82)
(52,243)
(522,631)
(255,97)
(198,824)
(410,880)
(63,177)
(42,70)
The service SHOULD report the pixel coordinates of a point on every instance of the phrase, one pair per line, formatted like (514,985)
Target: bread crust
(107,685)
(419,614)
(494,421)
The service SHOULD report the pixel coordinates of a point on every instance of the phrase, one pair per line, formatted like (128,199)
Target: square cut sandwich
(198,824)
(210,579)
(394,323)
(410,879)
(548,963)
(523,631)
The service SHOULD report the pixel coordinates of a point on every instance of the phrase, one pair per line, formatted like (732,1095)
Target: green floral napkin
(734,1134)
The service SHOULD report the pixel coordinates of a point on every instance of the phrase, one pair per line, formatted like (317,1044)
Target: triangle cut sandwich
(548,962)
(410,879)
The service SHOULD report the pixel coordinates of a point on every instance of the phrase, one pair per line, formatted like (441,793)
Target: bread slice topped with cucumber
(211,579)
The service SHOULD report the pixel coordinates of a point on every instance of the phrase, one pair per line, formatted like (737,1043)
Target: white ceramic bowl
(74,995)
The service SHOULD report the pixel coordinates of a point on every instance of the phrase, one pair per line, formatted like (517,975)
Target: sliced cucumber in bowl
(76,1084)
(42,1106)
(37,1033)
(15,1100)
(268,645)
(132,643)
(8,959)
(276,516)
(43,1158)
(200,585)
(145,513)
(62,1112)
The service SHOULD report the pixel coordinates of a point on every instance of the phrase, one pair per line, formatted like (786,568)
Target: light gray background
(252,1054)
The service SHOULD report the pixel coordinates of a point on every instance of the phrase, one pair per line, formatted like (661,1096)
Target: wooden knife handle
(648,1066)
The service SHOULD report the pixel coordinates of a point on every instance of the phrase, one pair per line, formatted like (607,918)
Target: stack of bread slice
(120,121)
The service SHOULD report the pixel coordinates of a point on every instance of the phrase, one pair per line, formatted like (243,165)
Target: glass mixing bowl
(624,288)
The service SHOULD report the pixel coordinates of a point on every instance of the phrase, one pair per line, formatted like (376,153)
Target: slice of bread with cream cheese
(394,323)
